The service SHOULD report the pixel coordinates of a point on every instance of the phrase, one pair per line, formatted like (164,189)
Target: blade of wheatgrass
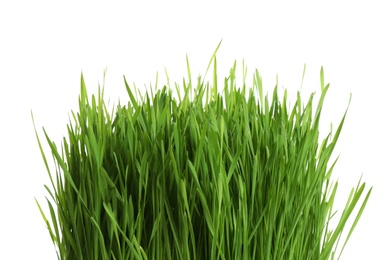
(362,207)
(303,76)
(215,80)
(211,60)
(54,238)
(322,81)
(43,154)
(189,72)
(131,96)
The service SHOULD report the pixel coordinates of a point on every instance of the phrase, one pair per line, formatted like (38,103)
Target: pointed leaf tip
(322,78)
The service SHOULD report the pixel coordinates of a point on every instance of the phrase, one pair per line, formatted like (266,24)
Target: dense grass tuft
(204,176)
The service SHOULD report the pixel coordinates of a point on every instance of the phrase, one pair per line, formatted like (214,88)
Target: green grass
(207,175)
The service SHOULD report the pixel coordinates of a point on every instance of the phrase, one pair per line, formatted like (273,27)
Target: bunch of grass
(208,176)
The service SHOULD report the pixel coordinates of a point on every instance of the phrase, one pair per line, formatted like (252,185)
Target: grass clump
(202,176)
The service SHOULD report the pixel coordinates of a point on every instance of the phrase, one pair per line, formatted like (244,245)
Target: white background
(44,46)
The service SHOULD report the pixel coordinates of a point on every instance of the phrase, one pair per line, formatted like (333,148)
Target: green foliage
(209,176)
